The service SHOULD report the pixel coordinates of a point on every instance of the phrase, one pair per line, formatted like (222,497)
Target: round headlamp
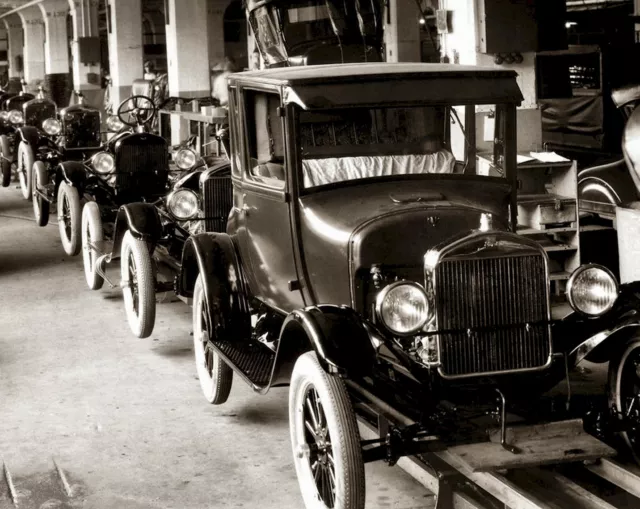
(103,162)
(403,308)
(592,290)
(4,115)
(183,204)
(52,126)
(16,117)
(185,158)
(114,124)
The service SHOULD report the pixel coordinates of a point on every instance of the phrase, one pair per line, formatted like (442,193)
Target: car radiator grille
(142,168)
(218,200)
(493,313)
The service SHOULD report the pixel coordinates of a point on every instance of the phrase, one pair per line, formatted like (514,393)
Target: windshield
(364,143)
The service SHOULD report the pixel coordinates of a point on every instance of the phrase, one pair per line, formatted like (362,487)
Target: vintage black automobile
(370,263)
(132,166)
(71,138)
(147,239)
(303,32)
(601,188)
(39,121)
(11,118)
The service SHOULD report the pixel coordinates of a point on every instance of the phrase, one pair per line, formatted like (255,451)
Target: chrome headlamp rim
(102,154)
(51,122)
(177,158)
(114,124)
(429,315)
(172,196)
(571,283)
(16,117)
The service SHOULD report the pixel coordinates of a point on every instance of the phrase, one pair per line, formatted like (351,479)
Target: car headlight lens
(103,162)
(52,126)
(185,158)
(403,307)
(114,124)
(4,115)
(592,290)
(183,204)
(15,117)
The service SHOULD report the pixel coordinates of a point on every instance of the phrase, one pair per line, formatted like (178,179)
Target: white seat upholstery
(318,172)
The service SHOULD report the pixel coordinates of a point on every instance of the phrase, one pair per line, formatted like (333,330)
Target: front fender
(337,335)
(213,256)
(29,135)
(598,338)
(73,173)
(142,220)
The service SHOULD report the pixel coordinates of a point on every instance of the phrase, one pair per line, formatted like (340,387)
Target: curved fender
(605,334)
(214,257)
(5,147)
(142,220)
(29,135)
(43,176)
(336,334)
(73,173)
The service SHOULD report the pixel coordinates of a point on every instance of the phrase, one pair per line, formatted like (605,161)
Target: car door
(264,225)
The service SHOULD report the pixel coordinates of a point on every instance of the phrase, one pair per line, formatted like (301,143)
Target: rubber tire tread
(40,205)
(348,433)
(73,245)
(612,389)
(6,172)
(91,218)
(142,325)
(26,182)
(222,376)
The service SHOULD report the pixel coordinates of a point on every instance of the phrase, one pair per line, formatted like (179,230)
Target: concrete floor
(123,418)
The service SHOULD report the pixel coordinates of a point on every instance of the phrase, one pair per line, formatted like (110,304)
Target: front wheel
(214,374)
(25,169)
(138,285)
(40,204)
(624,393)
(91,233)
(69,218)
(325,438)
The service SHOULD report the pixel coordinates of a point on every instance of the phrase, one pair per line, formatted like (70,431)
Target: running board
(251,360)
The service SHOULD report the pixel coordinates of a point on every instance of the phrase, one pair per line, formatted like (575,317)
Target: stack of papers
(543,157)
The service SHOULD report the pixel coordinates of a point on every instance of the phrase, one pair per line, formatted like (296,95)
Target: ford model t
(11,118)
(68,140)
(370,263)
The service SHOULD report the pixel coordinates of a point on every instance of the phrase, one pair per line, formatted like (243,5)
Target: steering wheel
(137,110)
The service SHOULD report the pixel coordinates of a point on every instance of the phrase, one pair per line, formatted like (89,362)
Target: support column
(402,35)
(33,25)
(125,47)
(56,50)
(86,75)
(215,30)
(187,56)
(15,55)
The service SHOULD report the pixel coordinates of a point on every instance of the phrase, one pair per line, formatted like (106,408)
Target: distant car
(72,137)
(370,263)
(11,118)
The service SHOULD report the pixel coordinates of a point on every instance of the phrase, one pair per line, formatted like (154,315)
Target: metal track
(605,484)
(49,489)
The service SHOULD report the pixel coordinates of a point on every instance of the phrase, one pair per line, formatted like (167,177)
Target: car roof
(349,72)
(354,85)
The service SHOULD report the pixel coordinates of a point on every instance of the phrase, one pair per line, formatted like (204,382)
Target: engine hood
(345,231)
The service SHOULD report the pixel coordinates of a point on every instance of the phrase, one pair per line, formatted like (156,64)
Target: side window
(266,139)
